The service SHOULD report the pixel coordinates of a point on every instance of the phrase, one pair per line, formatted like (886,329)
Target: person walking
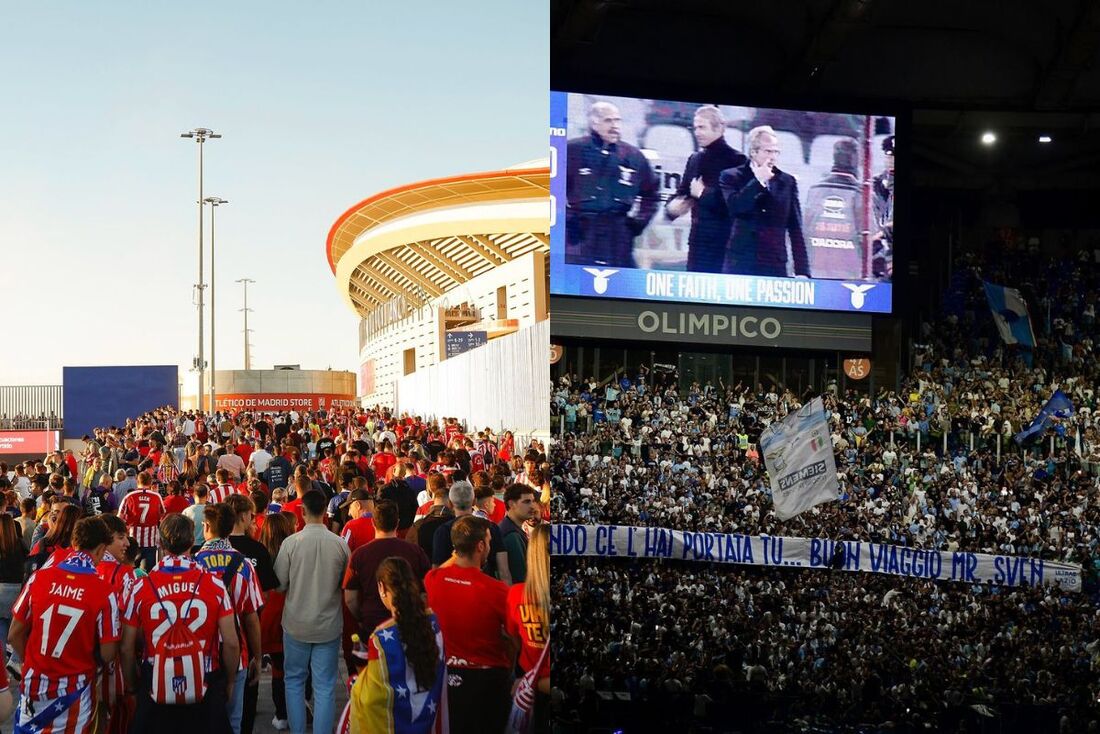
(310,566)
(401,689)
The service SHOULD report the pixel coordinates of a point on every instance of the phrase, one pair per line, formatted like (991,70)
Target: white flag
(798,454)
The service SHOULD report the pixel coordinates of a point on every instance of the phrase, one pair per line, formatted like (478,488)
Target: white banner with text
(613,541)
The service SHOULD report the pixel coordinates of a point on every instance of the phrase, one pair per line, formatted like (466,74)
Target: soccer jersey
(244,588)
(142,511)
(294,507)
(359,531)
(121,578)
(472,610)
(182,585)
(526,621)
(69,611)
(381,463)
(221,493)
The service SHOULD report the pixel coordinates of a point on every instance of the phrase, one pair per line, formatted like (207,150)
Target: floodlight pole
(214,203)
(246,309)
(200,135)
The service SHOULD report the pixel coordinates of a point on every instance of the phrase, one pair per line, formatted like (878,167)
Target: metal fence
(31,407)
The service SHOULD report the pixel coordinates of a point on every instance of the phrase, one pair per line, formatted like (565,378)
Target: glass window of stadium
(635,358)
(796,371)
(771,373)
(744,370)
(704,368)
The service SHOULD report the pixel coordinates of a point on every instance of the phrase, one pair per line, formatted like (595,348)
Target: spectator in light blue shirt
(124,484)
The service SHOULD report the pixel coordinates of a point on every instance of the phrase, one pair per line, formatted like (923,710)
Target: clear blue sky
(320,105)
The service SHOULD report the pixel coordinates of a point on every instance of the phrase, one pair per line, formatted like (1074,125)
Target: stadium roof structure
(424,239)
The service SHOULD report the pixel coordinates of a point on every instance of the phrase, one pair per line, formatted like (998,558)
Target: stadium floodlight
(200,136)
(1045,138)
(989,138)
(214,203)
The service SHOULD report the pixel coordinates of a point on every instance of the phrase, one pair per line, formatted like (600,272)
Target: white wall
(525,279)
(504,384)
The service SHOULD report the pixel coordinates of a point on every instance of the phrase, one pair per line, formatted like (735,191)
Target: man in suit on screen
(764,209)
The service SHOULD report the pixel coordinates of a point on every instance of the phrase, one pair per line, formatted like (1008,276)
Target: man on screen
(834,217)
(699,192)
(882,263)
(605,179)
(764,208)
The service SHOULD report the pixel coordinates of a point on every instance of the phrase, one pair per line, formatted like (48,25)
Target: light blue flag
(1010,314)
(1058,407)
(798,454)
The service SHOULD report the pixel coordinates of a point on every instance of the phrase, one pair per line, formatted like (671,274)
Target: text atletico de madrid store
(800,350)
(284,390)
(283,401)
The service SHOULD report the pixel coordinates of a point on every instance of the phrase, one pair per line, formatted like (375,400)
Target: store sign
(279,402)
(29,442)
(857,369)
(464,313)
(709,325)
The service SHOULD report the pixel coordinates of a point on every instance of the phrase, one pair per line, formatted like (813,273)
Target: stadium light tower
(214,203)
(200,135)
(246,309)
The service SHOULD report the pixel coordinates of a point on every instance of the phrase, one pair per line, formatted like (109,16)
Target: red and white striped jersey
(121,577)
(221,492)
(69,612)
(175,578)
(142,510)
(244,588)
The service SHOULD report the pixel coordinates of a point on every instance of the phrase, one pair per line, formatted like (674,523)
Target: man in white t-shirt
(260,458)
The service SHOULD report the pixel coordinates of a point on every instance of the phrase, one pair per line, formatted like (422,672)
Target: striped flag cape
(405,708)
(523,702)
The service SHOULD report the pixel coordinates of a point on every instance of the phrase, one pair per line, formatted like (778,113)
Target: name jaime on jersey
(66,592)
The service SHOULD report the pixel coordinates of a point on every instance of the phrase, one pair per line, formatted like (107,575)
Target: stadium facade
(450,280)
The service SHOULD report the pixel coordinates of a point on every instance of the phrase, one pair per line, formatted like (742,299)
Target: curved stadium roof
(424,239)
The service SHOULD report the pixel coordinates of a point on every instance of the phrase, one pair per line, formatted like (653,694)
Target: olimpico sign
(709,324)
(596,318)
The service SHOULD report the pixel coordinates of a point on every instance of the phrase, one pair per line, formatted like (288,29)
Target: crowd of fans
(147,581)
(26,421)
(933,464)
(761,650)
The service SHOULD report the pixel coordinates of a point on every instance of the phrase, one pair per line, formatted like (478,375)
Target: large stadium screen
(721,204)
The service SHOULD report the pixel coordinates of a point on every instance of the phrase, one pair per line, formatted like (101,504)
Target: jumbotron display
(720,204)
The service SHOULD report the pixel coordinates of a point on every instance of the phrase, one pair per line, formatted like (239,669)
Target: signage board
(458,342)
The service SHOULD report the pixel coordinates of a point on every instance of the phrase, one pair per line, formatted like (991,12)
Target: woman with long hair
(384,698)
(166,469)
(276,528)
(507,446)
(529,620)
(55,543)
(12,556)
(189,470)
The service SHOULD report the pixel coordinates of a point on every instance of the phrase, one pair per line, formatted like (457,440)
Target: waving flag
(1058,408)
(1010,314)
(523,700)
(798,453)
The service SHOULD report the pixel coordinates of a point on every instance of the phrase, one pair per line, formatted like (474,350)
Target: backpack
(179,672)
(422,532)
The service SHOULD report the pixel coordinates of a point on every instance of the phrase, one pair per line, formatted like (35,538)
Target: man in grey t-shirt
(310,566)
